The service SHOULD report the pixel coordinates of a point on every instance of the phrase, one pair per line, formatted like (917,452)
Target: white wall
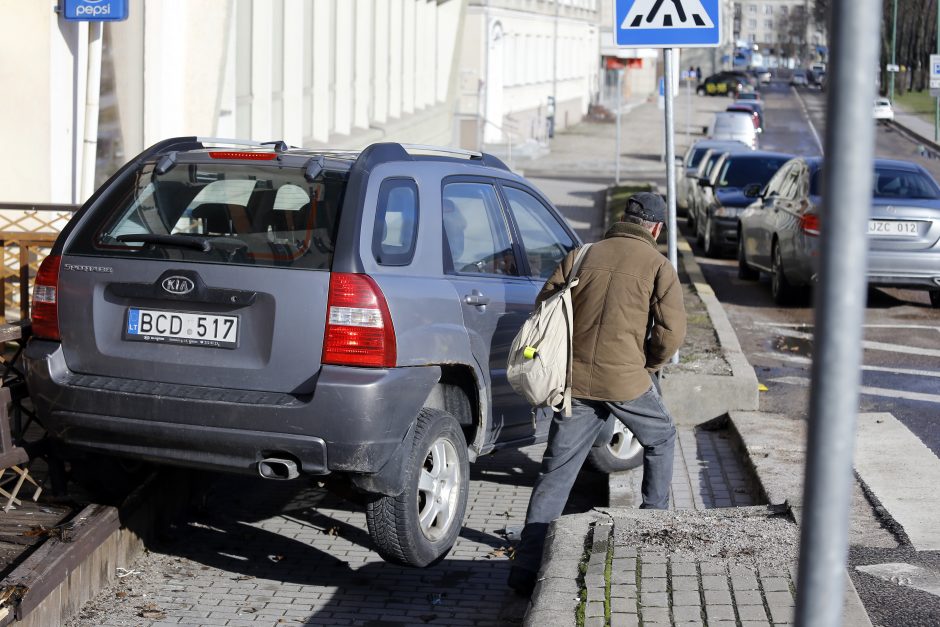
(342,73)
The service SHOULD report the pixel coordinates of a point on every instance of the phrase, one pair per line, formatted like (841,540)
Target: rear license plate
(177,327)
(905,228)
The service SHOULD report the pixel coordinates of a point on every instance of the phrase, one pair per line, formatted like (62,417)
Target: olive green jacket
(629,316)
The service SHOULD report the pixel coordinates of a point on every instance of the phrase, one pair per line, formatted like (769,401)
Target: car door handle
(476,298)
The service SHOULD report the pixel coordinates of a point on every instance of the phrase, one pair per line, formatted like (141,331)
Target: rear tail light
(45,312)
(243,155)
(809,224)
(359,328)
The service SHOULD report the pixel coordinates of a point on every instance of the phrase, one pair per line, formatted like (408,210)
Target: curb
(699,397)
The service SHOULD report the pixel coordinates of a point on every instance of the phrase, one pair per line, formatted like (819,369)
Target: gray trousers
(569,442)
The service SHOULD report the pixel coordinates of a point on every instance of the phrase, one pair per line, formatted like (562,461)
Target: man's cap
(646,206)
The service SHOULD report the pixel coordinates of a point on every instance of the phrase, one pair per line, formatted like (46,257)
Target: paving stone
(623,606)
(711,568)
(654,557)
(594,608)
(781,614)
(744,581)
(748,597)
(717,597)
(752,612)
(684,569)
(783,599)
(654,615)
(653,570)
(680,597)
(714,582)
(688,613)
(715,612)
(685,583)
(654,599)
(595,621)
(624,551)
(624,620)
(775,584)
(654,584)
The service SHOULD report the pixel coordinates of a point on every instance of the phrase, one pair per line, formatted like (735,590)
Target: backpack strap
(568,309)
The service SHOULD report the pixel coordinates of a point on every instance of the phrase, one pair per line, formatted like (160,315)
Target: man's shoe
(522,581)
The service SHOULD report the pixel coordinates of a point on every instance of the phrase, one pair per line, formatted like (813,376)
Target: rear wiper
(182,241)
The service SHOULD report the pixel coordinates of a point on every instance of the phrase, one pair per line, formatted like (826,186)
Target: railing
(27,232)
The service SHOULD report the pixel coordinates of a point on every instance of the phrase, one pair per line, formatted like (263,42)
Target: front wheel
(711,247)
(419,526)
(622,452)
(745,271)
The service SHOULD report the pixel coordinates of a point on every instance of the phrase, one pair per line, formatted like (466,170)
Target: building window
(768,9)
(768,24)
(752,24)
(752,8)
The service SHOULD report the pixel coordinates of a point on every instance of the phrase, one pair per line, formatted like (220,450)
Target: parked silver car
(689,166)
(779,232)
(734,126)
(699,191)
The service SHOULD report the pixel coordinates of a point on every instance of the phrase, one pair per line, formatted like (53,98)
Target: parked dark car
(689,166)
(734,182)
(779,232)
(286,312)
(721,84)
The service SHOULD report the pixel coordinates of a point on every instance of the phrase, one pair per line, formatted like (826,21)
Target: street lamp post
(894,46)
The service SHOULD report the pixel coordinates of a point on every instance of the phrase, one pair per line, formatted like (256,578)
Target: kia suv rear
(266,309)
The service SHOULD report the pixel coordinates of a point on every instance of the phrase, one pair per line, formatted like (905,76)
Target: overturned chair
(13,459)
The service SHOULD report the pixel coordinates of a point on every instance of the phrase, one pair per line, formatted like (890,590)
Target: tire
(690,219)
(412,529)
(782,291)
(107,480)
(623,452)
(935,299)
(711,248)
(745,271)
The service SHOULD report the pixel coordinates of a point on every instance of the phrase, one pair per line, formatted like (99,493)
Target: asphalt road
(900,374)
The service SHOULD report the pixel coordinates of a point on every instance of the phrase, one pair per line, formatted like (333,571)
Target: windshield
(891,183)
(695,157)
(742,171)
(244,214)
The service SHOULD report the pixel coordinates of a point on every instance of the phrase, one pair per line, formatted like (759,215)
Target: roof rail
(441,150)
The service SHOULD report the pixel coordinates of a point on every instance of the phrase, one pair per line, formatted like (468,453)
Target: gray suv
(266,309)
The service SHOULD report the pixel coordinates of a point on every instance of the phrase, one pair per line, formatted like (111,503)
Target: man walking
(629,319)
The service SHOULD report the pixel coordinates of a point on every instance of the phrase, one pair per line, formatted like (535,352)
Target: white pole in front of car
(840,312)
(669,86)
(619,107)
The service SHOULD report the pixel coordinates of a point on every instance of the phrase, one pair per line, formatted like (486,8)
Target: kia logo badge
(178,285)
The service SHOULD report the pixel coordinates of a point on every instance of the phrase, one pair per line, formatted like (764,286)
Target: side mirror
(752,190)
(705,182)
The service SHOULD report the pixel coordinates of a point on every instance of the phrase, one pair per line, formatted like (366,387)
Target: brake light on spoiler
(243,155)
(359,328)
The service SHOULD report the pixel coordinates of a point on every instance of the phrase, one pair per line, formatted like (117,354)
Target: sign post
(668,25)
(935,83)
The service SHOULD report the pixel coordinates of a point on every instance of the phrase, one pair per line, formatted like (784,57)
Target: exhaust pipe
(276,468)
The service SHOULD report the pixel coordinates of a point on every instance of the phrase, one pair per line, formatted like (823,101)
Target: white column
(381,52)
(322,65)
(261,55)
(365,40)
(343,45)
(293,132)
(408,57)
(396,57)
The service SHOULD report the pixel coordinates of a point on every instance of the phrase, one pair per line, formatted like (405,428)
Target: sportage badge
(178,285)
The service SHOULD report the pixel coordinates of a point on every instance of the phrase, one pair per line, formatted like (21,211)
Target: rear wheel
(622,452)
(935,299)
(782,291)
(745,271)
(419,526)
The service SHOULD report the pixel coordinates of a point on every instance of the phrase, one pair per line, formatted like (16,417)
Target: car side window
(773,187)
(396,222)
(545,240)
(476,236)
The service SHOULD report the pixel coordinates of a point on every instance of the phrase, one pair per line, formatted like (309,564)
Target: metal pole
(840,313)
(670,155)
(936,122)
(894,47)
(619,107)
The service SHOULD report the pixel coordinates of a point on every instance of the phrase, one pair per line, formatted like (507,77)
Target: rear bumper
(915,269)
(347,425)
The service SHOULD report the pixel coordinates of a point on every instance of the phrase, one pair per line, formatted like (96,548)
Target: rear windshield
(744,171)
(221,212)
(734,121)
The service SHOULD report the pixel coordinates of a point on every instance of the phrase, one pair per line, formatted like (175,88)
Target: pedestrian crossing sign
(668,23)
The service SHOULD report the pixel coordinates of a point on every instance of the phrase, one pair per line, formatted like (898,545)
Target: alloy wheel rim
(623,444)
(438,489)
(708,235)
(775,275)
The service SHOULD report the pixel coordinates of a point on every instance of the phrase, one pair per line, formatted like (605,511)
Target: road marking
(803,325)
(812,127)
(872,346)
(903,474)
(805,361)
(868,391)
(907,575)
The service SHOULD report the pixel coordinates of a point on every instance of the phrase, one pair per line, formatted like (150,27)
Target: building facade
(779,28)
(527,68)
(342,73)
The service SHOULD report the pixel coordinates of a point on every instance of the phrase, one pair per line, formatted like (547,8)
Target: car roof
(760,154)
(719,143)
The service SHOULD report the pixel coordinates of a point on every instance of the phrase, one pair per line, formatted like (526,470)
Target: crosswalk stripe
(902,473)
(868,390)
(908,575)
(806,361)
(872,346)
